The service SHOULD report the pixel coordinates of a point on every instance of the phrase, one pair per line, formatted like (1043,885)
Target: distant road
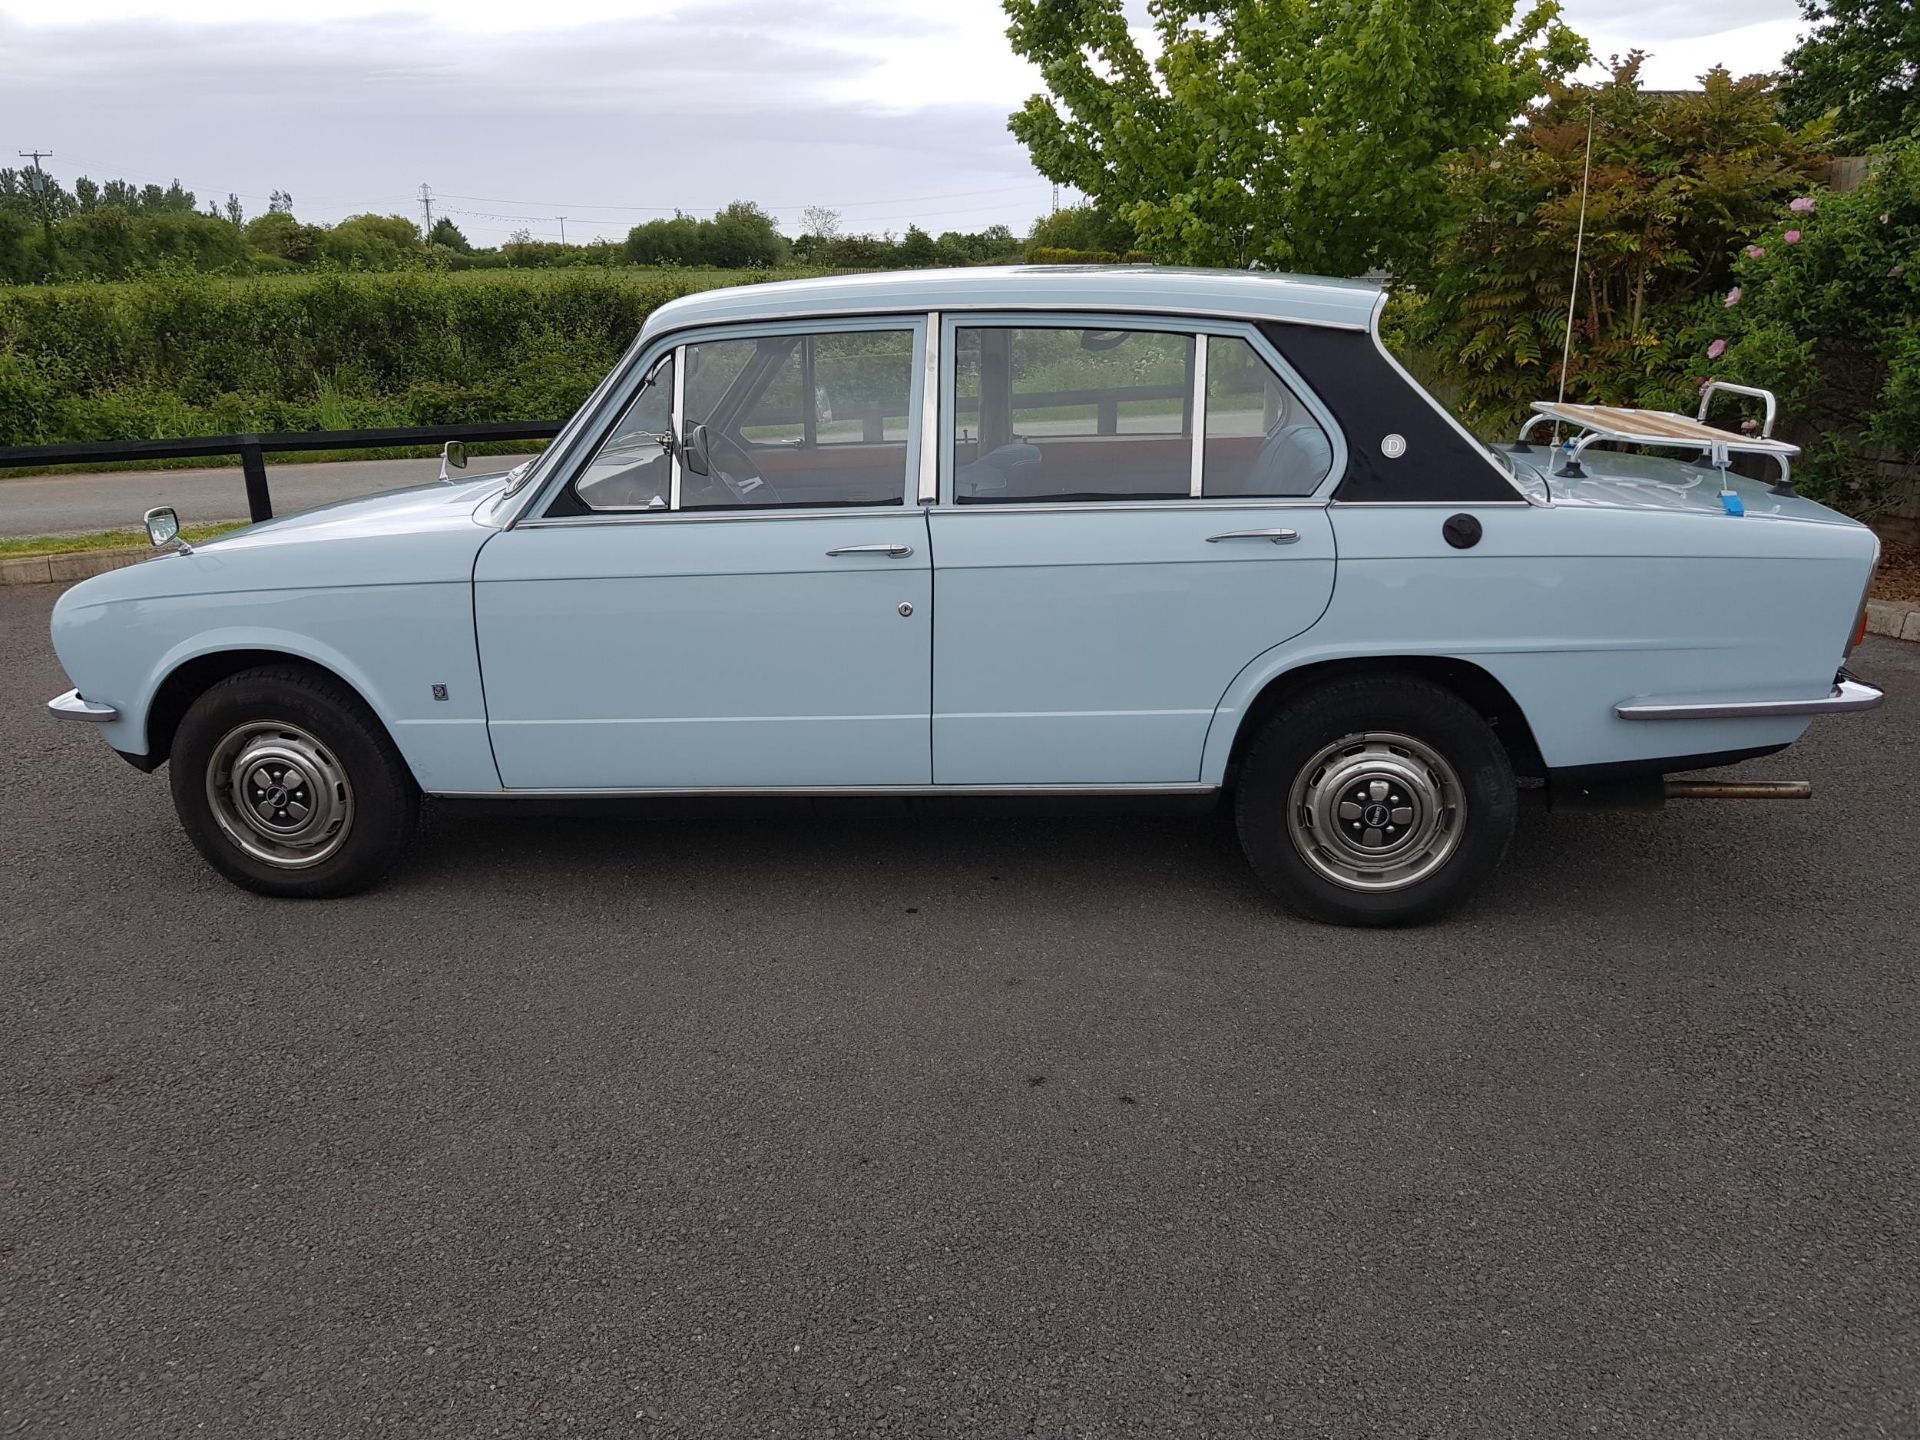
(83,504)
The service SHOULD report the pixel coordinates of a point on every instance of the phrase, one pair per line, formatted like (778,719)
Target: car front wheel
(288,785)
(1375,800)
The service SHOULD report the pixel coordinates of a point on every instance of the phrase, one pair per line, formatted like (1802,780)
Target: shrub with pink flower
(1792,237)
(1716,349)
(1802,206)
(1733,297)
(1755,252)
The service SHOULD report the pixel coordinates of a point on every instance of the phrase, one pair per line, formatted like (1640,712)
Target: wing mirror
(694,452)
(163,529)
(454,454)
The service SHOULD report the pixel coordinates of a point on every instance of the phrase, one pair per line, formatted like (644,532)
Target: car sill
(913,791)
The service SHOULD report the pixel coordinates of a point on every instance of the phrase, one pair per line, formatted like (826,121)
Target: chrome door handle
(1278,537)
(898,552)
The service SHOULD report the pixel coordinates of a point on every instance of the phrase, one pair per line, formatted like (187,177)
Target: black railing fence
(252,449)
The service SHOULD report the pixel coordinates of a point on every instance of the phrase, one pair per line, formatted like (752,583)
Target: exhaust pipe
(1739,790)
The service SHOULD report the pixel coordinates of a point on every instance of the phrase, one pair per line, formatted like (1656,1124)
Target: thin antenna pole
(1573,288)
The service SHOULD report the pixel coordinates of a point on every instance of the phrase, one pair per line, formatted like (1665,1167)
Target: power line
(36,156)
(780,205)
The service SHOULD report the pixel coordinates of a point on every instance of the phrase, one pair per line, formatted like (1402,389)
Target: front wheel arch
(192,678)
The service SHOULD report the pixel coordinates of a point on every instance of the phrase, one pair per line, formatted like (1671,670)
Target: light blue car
(1041,531)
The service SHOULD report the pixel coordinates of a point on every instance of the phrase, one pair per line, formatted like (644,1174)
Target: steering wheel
(739,477)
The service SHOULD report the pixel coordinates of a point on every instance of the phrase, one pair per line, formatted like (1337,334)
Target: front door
(765,624)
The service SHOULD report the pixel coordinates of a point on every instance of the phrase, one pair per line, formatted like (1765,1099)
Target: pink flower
(1802,206)
(1747,427)
(1792,237)
(1733,297)
(1716,349)
(1754,252)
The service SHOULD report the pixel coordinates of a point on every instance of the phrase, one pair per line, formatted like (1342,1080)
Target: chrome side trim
(70,706)
(1847,696)
(928,481)
(675,325)
(1199,411)
(827,790)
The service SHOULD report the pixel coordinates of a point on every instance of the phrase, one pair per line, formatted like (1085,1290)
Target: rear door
(762,626)
(1130,512)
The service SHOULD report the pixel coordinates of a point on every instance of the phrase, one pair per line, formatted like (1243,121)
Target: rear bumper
(71,706)
(1848,695)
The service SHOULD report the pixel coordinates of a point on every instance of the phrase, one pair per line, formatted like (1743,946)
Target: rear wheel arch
(1472,683)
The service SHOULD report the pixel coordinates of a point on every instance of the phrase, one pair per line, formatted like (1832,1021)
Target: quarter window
(632,471)
(1260,439)
(1046,413)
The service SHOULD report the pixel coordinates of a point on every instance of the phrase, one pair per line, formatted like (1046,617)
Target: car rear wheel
(288,784)
(1378,800)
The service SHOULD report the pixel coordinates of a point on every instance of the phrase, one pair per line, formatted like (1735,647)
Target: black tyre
(1378,800)
(289,785)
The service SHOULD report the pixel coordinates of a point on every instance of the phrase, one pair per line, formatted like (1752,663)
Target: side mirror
(693,450)
(453,453)
(163,529)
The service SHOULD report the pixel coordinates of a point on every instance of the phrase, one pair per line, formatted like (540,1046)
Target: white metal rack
(1664,429)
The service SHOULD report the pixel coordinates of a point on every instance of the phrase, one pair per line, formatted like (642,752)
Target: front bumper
(71,706)
(1848,696)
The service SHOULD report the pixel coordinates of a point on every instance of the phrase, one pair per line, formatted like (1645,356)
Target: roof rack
(1666,430)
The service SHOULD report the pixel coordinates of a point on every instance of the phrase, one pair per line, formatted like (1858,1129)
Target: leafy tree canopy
(1293,134)
(1082,227)
(1680,180)
(1860,64)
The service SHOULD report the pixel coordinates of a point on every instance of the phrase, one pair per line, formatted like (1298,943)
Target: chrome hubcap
(1377,811)
(279,794)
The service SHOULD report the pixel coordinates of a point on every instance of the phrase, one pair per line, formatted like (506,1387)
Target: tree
(371,242)
(235,215)
(1082,227)
(1286,134)
(820,222)
(1859,64)
(1679,180)
(917,250)
(280,203)
(448,234)
(743,236)
(1823,317)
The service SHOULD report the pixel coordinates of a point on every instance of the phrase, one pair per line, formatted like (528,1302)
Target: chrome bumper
(1848,695)
(71,707)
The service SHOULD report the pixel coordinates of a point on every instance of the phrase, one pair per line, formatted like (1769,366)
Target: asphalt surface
(81,504)
(857,1125)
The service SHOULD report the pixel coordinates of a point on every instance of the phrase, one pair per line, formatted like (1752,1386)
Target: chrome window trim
(1199,413)
(1847,696)
(695,517)
(677,422)
(1081,507)
(927,482)
(1520,503)
(981,307)
(616,392)
(1222,327)
(1180,788)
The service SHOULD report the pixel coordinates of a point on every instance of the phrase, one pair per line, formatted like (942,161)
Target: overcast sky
(606,111)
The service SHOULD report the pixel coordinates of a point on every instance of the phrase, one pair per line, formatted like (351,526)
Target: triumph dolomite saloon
(1048,531)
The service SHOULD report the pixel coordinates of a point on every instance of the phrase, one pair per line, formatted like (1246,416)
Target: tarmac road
(856,1125)
(74,504)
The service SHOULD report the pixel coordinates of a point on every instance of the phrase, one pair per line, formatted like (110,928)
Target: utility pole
(426,204)
(563,228)
(1056,199)
(40,193)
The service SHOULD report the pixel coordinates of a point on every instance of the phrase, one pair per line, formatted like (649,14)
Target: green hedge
(178,354)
